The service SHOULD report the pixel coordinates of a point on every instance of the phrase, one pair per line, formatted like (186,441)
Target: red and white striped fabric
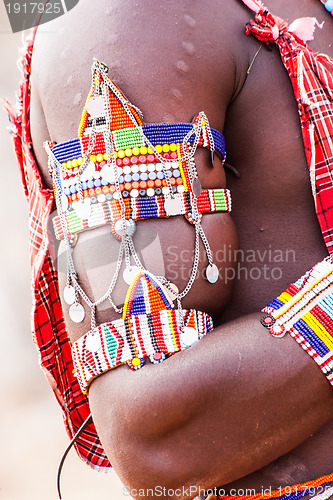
(311,76)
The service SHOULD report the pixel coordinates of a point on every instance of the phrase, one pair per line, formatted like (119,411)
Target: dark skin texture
(239,406)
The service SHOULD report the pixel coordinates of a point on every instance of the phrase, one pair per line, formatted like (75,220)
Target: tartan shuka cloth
(50,335)
(311,76)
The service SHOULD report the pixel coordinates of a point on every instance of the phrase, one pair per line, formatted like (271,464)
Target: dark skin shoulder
(239,399)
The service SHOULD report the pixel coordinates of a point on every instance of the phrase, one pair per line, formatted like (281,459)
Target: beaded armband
(119,171)
(149,328)
(106,210)
(305,311)
(119,168)
(151,183)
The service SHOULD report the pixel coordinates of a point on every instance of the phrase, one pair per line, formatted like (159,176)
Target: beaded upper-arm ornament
(118,171)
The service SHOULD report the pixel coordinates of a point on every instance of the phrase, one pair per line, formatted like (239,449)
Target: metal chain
(134,253)
(195,265)
(127,248)
(205,243)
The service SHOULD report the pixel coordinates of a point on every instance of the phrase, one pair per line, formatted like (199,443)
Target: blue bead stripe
(147,207)
(276,304)
(168,133)
(164,133)
(66,151)
(318,345)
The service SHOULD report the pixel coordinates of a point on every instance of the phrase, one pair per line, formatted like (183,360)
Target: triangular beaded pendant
(146,295)
(98,107)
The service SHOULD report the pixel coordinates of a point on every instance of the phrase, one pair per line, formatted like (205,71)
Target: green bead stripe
(220,199)
(111,344)
(74,221)
(127,138)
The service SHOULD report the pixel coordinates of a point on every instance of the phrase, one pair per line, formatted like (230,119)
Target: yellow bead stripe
(181,169)
(143,150)
(83,117)
(318,329)
(172,329)
(284,297)
(296,298)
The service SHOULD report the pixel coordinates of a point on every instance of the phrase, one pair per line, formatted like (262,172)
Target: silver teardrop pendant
(196,187)
(93,342)
(77,313)
(212,273)
(69,294)
(95,106)
(64,202)
(83,208)
(130,273)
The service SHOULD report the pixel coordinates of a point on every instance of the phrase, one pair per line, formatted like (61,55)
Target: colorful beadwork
(163,136)
(138,172)
(106,210)
(115,151)
(118,171)
(149,328)
(305,311)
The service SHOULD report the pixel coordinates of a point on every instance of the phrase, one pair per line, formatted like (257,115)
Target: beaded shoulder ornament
(118,171)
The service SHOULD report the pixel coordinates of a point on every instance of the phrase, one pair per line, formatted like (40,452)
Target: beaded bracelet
(305,311)
(149,328)
(106,210)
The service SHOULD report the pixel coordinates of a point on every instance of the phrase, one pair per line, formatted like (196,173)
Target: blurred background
(32,435)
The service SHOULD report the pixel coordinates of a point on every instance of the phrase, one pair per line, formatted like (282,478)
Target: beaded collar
(119,170)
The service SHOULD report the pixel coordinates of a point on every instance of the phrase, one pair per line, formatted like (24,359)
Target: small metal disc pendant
(95,106)
(93,343)
(107,174)
(196,187)
(173,206)
(77,313)
(88,172)
(130,273)
(83,208)
(188,336)
(124,227)
(173,292)
(69,294)
(212,273)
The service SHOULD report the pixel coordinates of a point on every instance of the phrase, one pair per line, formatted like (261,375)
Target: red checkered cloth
(311,75)
(50,335)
